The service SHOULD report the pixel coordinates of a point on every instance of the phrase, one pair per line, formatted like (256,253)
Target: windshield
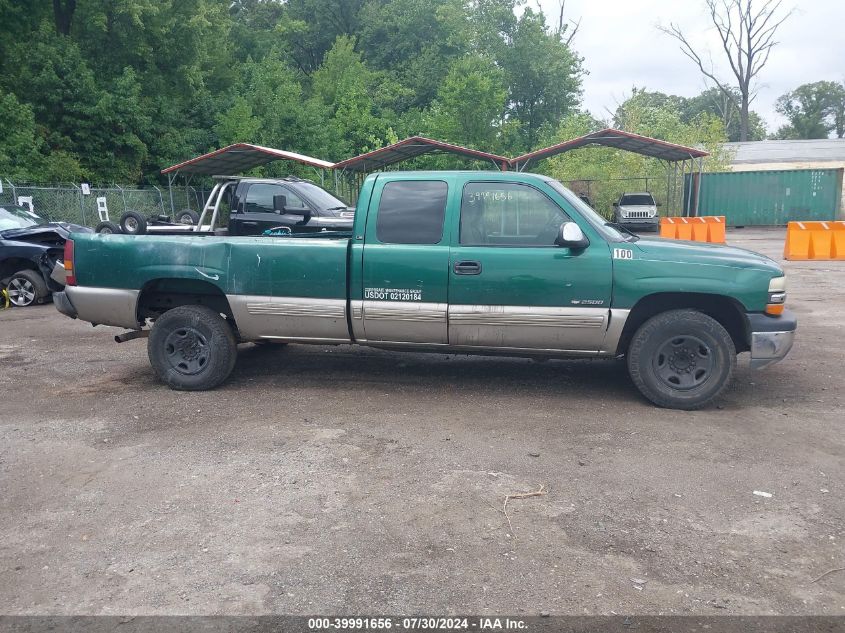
(320,197)
(14,217)
(637,200)
(587,212)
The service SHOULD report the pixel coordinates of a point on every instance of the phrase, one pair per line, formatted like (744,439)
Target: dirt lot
(326,480)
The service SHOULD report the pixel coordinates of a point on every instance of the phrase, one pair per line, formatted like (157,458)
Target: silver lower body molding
(105,306)
(296,318)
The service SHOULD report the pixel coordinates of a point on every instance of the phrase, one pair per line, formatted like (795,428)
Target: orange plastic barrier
(709,228)
(814,240)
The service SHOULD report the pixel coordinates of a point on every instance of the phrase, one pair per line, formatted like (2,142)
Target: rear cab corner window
(411,212)
(508,214)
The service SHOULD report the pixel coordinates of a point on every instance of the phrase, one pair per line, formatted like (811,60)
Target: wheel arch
(11,265)
(726,310)
(157,296)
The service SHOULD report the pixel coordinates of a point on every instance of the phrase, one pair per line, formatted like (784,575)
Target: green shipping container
(749,198)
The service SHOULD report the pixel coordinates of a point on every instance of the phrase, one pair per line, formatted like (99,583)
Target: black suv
(259,204)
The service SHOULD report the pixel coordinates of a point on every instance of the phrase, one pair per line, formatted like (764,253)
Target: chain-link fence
(70,202)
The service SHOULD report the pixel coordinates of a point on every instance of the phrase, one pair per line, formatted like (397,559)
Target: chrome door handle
(467,267)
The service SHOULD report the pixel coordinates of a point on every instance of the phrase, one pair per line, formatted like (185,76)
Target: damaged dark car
(30,249)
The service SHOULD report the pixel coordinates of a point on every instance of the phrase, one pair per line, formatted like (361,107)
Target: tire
(681,359)
(192,348)
(108,228)
(26,288)
(187,216)
(133,223)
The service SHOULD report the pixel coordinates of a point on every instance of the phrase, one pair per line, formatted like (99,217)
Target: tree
(811,110)
(63,11)
(19,143)
(716,103)
(747,35)
(310,28)
(414,40)
(543,76)
(471,80)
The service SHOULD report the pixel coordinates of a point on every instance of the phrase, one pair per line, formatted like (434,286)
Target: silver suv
(637,211)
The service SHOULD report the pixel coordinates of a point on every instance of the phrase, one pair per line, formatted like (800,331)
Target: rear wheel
(26,288)
(133,223)
(681,359)
(192,348)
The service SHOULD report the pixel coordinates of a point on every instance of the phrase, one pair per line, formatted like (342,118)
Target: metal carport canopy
(241,157)
(410,148)
(610,137)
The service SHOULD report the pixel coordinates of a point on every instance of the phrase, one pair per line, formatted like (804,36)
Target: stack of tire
(133,223)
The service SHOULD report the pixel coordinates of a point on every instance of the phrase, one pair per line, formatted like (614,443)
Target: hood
(61,230)
(680,251)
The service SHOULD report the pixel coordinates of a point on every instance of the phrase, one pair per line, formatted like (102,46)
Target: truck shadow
(357,369)
(346,367)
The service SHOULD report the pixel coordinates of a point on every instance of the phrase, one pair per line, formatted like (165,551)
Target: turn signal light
(774,309)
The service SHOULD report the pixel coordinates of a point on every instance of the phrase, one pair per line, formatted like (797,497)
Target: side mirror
(280,201)
(659,204)
(571,236)
(615,204)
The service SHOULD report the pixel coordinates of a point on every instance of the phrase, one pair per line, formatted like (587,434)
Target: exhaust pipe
(131,334)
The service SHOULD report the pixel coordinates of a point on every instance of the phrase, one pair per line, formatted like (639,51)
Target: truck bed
(304,267)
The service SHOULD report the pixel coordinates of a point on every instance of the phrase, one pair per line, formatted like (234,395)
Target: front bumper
(639,223)
(771,337)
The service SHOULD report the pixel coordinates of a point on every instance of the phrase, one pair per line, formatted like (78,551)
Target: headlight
(778,284)
(777,296)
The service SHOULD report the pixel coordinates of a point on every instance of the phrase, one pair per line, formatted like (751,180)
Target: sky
(622,48)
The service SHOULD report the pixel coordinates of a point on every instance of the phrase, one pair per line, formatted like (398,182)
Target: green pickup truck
(457,262)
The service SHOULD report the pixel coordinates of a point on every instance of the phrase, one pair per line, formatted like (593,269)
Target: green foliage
(471,80)
(712,101)
(19,143)
(813,111)
(114,90)
(543,77)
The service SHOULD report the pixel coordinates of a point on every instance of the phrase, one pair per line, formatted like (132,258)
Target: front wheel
(192,348)
(681,359)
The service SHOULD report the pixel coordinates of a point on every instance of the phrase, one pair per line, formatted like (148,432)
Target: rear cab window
(412,212)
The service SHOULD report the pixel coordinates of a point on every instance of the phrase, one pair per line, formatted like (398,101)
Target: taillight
(70,277)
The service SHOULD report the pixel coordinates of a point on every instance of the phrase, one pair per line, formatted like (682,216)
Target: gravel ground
(346,480)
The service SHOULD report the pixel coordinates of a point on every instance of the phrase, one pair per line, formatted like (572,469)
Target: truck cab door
(511,287)
(405,270)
